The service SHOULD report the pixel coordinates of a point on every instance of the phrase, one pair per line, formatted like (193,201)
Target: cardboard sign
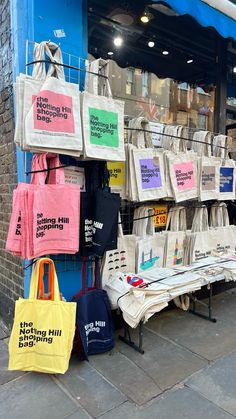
(160,218)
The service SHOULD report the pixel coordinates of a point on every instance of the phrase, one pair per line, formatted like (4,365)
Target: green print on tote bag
(103,127)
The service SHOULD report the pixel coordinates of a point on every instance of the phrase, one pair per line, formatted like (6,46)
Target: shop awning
(219,14)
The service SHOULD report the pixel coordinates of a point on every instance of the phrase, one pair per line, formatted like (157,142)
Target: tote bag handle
(53,52)
(200,220)
(219,216)
(176,219)
(56,176)
(39,69)
(37,273)
(39,169)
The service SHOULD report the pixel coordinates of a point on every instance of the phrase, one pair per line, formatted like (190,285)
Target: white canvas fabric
(223,235)
(122,259)
(103,123)
(175,238)
(201,143)
(183,172)
(200,242)
(150,245)
(48,119)
(209,178)
(149,171)
(219,144)
(227,180)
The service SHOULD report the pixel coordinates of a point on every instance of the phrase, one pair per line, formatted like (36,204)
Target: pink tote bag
(56,214)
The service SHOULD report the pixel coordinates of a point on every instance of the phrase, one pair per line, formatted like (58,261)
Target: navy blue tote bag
(93,317)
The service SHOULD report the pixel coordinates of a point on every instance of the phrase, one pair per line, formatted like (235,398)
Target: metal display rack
(75,69)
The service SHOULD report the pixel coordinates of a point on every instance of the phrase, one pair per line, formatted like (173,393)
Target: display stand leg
(193,310)
(126,338)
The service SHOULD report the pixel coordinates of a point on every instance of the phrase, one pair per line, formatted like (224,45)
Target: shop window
(145,84)
(202,122)
(130,82)
(182,118)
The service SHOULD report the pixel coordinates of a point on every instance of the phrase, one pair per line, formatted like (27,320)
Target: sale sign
(160,217)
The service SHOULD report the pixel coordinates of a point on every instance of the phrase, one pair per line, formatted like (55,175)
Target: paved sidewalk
(188,371)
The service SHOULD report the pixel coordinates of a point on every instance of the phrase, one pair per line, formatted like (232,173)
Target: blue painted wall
(36,20)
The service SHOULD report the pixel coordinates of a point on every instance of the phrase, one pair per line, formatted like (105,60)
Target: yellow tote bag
(43,330)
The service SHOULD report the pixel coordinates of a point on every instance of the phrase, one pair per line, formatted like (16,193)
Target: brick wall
(11,272)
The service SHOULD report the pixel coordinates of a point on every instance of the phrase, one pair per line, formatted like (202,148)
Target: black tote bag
(93,317)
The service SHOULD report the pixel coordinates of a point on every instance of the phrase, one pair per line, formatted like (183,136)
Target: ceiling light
(190,61)
(151,44)
(146,16)
(118,41)
(234,70)
(165,52)
(110,53)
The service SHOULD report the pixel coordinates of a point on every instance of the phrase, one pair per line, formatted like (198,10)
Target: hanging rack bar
(71,67)
(171,136)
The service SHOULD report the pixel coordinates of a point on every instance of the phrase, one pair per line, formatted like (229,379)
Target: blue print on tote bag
(226,179)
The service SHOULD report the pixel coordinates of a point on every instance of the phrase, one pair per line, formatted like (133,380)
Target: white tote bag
(209,178)
(103,125)
(149,170)
(151,246)
(175,238)
(201,143)
(223,234)
(227,180)
(183,171)
(200,241)
(38,75)
(121,259)
(52,113)
(139,132)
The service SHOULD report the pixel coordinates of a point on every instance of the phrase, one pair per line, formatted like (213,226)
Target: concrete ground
(188,371)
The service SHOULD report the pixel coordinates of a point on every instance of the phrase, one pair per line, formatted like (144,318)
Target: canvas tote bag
(43,330)
(52,112)
(103,125)
(200,241)
(150,246)
(121,259)
(209,178)
(183,172)
(149,171)
(175,237)
(38,75)
(227,179)
(224,234)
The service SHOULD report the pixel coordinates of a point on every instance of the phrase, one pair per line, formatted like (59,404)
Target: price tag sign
(160,215)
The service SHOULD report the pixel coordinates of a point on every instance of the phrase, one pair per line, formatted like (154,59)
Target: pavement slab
(180,404)
(5,375)
(36,396)
(90,388)
(3,331)
(165,362)
(131,380)
(218,383)
(207,339)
